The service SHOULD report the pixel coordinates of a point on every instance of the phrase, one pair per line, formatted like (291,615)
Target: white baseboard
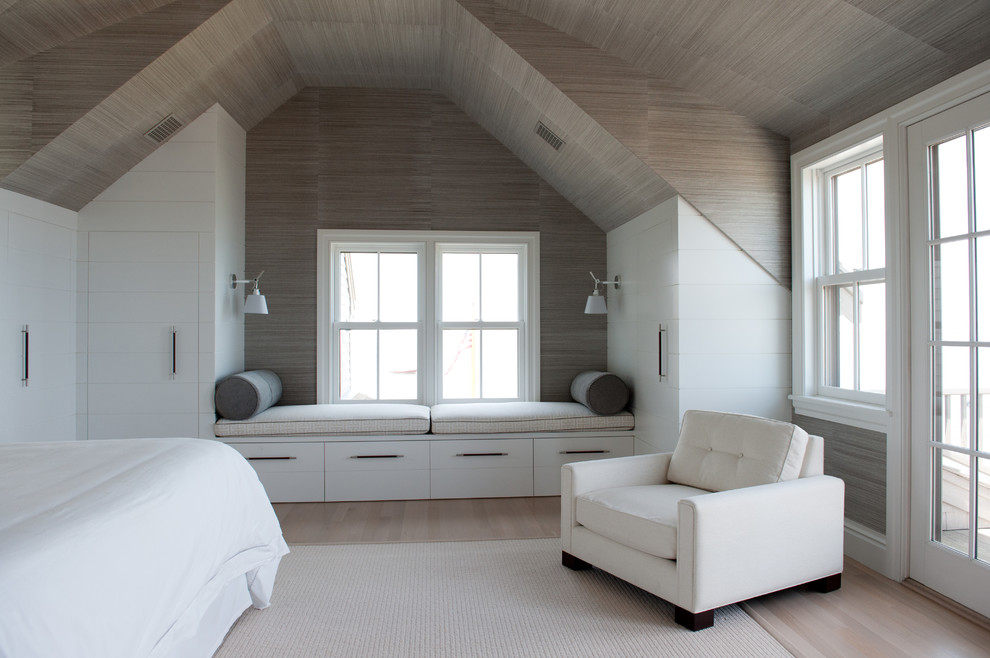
(869,548)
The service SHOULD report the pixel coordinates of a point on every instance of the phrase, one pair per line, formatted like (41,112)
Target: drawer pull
(254,459)
(377,456)
(585,452)
(483,454)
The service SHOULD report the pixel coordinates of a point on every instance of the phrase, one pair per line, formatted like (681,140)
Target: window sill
(856,414)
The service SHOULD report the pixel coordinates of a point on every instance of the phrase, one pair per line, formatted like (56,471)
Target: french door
(949,208)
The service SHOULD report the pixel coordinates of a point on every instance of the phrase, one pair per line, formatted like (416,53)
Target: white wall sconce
(255,301)
(596,302)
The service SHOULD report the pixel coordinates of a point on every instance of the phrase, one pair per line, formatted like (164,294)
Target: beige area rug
(487,598)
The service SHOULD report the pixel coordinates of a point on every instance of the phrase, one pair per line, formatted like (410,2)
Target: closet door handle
(585,452)
(377,456)
(265,459)
(174,369)
(25,355)
(661,371)
(483,454)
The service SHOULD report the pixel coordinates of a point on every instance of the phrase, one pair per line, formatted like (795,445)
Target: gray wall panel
(859,457)
(401,159)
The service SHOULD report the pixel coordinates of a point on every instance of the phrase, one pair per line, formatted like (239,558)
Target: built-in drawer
(481,468)
(377,455)
(290,472)
(550,454)
(377,470)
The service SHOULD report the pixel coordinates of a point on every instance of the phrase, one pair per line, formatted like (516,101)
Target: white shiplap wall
(727,320)
(37,288)
(149,251)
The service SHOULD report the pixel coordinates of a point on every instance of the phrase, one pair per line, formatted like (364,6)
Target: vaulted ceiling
(703,98)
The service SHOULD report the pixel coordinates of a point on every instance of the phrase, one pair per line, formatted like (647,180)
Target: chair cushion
(641,517)
(719,451)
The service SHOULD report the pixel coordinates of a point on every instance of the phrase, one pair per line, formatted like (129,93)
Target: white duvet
(118,548)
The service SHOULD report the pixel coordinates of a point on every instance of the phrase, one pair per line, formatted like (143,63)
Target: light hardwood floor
(869,616)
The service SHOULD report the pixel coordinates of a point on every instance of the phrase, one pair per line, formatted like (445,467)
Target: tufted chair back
(720,451)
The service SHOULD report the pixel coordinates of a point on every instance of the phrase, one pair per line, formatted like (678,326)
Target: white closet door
(143,334)
(38,291)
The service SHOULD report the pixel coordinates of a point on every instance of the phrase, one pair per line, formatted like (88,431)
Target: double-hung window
(851,281)
(428,316)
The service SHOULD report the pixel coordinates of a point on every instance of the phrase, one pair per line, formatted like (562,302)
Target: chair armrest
(581,477)
(734,545)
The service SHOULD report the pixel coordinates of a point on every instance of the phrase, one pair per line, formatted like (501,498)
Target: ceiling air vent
(163,129)
(549,136)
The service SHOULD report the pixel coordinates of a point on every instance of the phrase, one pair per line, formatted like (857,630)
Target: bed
(150,547)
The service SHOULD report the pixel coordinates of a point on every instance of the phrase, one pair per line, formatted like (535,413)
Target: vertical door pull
(173,353)
(661,371)
(25,355)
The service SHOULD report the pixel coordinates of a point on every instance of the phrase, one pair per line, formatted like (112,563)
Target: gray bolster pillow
(602,392)
(247,393)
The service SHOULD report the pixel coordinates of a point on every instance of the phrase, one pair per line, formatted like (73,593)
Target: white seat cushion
(720,451)
(330,419)
(505,417)
(641,517)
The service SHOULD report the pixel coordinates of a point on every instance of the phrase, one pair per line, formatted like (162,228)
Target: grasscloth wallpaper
(347,158)
(859,457)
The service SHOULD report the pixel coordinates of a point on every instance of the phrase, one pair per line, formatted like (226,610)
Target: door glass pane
(839,340)
(952,491)
(983,399)
(358,280)
(983,510)
(849,221)
(358,367)
(397,365)
(461,363)
(950,286)
(875,222)
(399,287)
(952,399)
(950,183)
(872,338)
(982,283)
(461,287)
(981,162)
(500,287)
(500,358)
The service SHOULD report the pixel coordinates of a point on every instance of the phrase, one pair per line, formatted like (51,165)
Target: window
(840,291)
(850,281)
(428,317)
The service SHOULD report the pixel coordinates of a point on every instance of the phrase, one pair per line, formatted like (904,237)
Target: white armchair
(741,508)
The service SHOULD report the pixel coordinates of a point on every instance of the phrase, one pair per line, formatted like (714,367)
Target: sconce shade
(255,303)
(595,305)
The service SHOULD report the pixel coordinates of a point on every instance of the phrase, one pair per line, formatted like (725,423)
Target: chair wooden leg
(571,562)
(694,621)
(827,584)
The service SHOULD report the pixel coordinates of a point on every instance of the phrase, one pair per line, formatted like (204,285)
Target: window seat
(329,452)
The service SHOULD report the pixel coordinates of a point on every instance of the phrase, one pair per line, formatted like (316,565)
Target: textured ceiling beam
(28,27)
(732,170)
(236,58)
(507,96)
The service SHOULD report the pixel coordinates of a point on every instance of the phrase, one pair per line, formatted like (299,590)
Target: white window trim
(430,241)
(809,183)
(889,557)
